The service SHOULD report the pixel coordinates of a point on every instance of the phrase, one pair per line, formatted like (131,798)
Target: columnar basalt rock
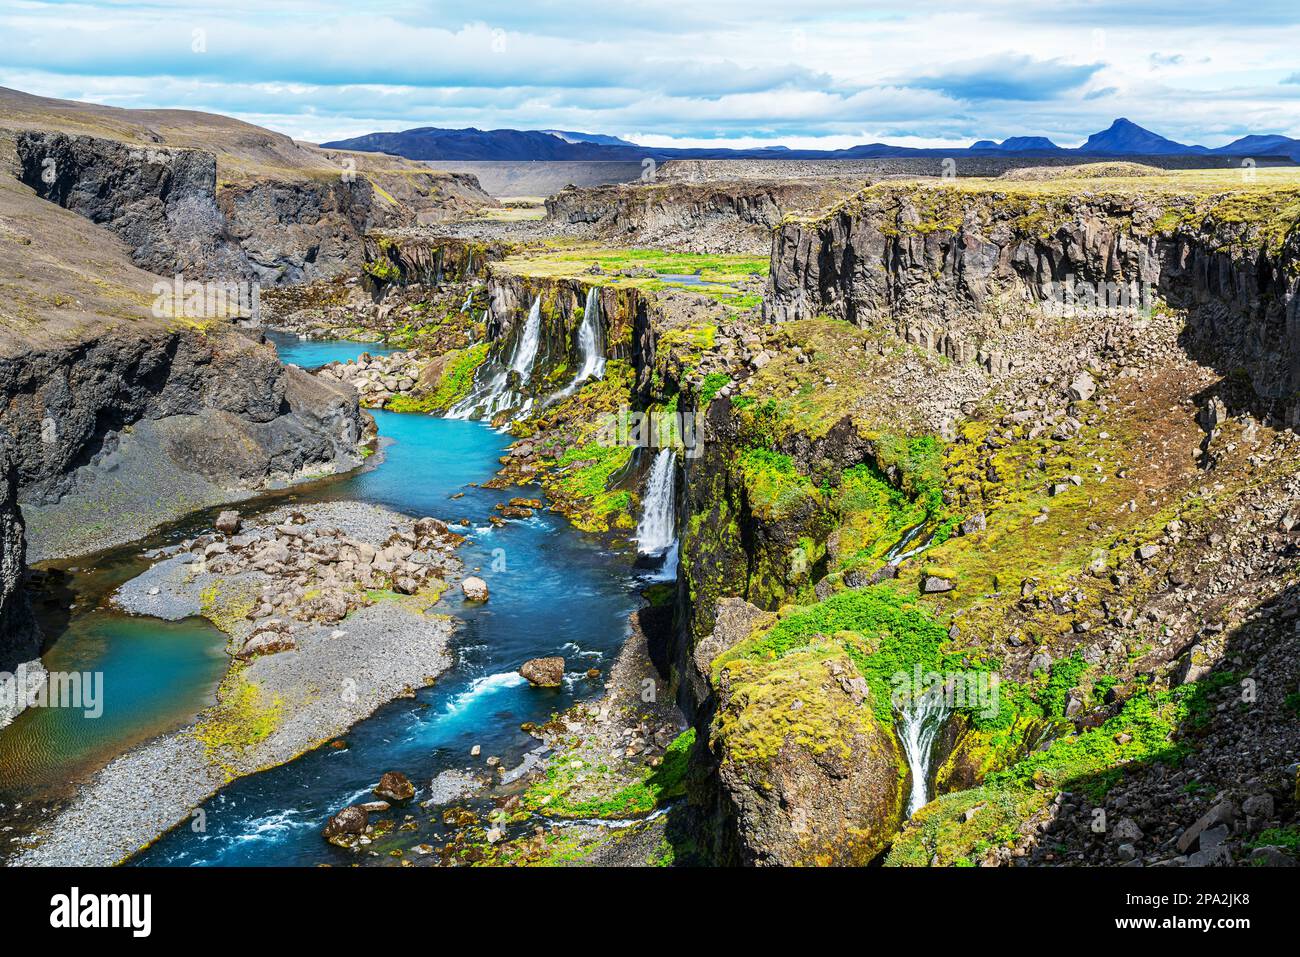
(948,268)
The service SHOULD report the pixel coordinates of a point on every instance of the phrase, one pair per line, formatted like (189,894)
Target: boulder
(475,589)
(328,606)
(790,799)
(267,643)
(543,672)
(345,827)
(395,786)
(228,522)
(1083,388)
(933,584)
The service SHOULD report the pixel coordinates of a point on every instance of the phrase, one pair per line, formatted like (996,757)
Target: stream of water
(314,353)
(554,591)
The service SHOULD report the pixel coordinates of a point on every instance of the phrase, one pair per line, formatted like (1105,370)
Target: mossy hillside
(884,632)
(1150,726)
(437,325)
(570,791)
(583,478)
(1065,511)
(559,847)
(455,382)
(582,471)
(775,490)
(775,701)
(824,371)
(956,830)
(679,352)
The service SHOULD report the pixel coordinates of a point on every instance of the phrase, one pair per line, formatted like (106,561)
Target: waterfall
(918,725)
(526,350)
(656,532)
(591,339)
(491,393)
(469,298)
(591,345)
(900,552)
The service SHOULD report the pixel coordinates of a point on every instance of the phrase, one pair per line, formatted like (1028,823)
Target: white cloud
(751,72)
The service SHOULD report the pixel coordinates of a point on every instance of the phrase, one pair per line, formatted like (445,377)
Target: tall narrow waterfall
(591,339)
(591,346)
(656,532)
(918,725)
(526,349)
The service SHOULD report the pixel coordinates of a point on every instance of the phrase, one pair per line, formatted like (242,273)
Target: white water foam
(480,687)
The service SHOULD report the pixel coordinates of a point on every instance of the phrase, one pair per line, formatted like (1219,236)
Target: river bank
(274,703)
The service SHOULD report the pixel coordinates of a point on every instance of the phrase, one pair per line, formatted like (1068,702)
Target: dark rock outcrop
(806,774)
(395,786)
(19,638)
(946,269)
(168,206)
(543,672)
(162,202)
(150,426)
(714,217)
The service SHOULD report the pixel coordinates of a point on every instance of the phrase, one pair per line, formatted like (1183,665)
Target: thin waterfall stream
(656,531)
(919,722)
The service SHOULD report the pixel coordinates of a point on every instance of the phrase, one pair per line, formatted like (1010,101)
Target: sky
(829,74)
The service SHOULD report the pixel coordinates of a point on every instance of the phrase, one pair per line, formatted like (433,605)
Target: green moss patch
(556,793)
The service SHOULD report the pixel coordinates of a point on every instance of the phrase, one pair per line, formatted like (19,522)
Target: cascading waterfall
(526,349)
(469,298)
(919,722)
(591,339)
(590,343)
(492,393)
(656,533)
(591,346)
(900,552)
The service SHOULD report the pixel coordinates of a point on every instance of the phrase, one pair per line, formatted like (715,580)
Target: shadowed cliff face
(170,209)
(164,204)
(717,217)
(139,429)
(19,639)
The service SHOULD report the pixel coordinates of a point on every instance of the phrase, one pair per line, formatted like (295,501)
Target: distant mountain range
(1121,138)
